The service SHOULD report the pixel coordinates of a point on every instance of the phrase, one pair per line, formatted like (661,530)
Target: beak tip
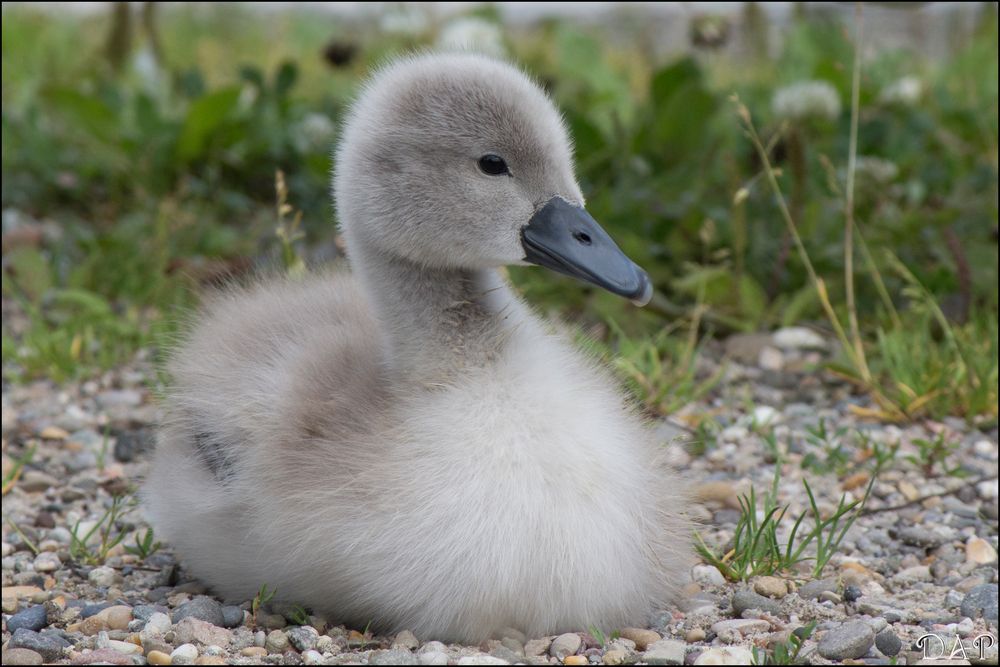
(647,293)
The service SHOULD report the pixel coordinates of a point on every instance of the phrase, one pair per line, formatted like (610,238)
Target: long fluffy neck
(436,322)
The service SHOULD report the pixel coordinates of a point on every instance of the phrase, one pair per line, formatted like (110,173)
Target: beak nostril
(582,237)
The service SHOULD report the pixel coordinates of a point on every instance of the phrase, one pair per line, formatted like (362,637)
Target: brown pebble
(210,660)
(694,635)
(254,652)
(21,656)
(642,638)
(576,660)
(158,658)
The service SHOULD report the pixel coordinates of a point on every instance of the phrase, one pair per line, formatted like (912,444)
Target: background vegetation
(140,149)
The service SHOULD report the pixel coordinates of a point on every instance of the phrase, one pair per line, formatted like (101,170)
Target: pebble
(276,642)
(744,599)
(694,635)
(981,601)
(708,575)
(158,658)
(254,652)
(813,589)
(798,338)
(726,655)
(47,562)
(185,654)
(102,656)
(852,593)
(432,658)
(847,641)
(36,481)
(665,652)
(232,616)
(312,657)
(977,550)
(33,618)
(125,648)
(642,638)
(192,631)
(573,660)
(744,626)
(22,656)
(103,577)
(393,656)
(480,660)
(49,646)
(116,617)
(303,637)
(772,587)
(565,644)
(202,608)
(534,647)
(888,643)
(407,640)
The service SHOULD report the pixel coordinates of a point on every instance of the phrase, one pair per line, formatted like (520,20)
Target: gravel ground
(921,560)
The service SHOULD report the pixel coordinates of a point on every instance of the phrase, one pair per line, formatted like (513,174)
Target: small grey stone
(981,601)
(813,589)
(144,612)
(953,599)
(394,656)
(33,618)
(745,599)
(50,646)
(506,655)
(920,536)
(303,637)
(47,562)
(202,608)
(232,616)
(665,652)
(888,643)
(850,640)
(103,577)
(22,656)
(565,644)
(276,642)
(852,593)
(432,658)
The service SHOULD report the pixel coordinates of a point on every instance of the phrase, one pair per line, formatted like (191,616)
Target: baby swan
(409,445)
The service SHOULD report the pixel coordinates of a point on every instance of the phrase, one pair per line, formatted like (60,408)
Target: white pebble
(765,415)
(707,575)
(47,562)
(312,657)
(185,654)
(770,359)
(798,338)
(103,577)
(127,648)
(432,658)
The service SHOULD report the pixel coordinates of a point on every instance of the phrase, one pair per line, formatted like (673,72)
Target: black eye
(493,165)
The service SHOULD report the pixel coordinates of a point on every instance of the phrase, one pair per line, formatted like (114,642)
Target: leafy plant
(144,546)
(298,615)
(106,529)
(934,453)
(757,548)
(785,653)
(263,596)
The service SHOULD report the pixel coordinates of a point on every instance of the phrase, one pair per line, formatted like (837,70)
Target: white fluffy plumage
(408,444)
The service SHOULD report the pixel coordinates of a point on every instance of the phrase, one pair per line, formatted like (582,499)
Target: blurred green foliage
(168,163)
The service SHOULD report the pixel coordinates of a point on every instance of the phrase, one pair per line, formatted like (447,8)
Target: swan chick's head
(460,161)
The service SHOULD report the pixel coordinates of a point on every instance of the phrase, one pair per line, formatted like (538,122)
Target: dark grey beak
(564,238)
